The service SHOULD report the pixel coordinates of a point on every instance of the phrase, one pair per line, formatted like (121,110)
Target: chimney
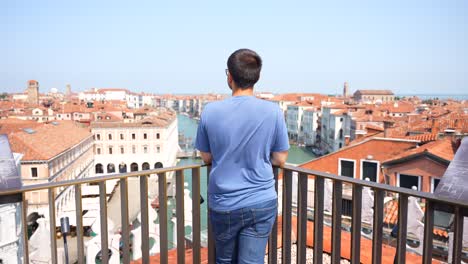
(346,140)
(455,125)
(387,125)
(435,126)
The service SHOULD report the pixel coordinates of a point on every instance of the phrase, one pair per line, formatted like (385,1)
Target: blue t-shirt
(241,132)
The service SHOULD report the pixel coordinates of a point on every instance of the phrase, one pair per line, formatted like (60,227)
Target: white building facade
(123,147)
(310,124)
(335,127)
(294,121)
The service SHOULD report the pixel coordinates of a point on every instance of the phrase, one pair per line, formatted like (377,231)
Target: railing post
(24,225)
(124,219)
(356,225)
(318,220)
(336,221)
(53,235)
(428,232)
(287,212)
(79,224)
(196,226)
(273,240)
(458,235)
(301,218)
(162,189)
(144,219)
(180,216)
(402,228)
(377,228)
(103,215)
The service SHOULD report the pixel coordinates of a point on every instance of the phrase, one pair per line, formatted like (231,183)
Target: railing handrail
(310,172)
(375,185)
(118,176)
(287,202)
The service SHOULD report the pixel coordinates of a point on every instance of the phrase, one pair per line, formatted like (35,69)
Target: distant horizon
(444,95)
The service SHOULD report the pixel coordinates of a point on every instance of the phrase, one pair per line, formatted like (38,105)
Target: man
(242,137)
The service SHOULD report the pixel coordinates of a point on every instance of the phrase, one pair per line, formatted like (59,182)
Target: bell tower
(33,92)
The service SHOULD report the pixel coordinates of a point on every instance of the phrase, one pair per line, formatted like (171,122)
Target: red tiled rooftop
(48,140)
(391,217)
(374,92)
(172,257)
(372,146)
(388,252)
(442,148)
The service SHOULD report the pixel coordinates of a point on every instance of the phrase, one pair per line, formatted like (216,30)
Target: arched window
(158,165)
(122,168)
(110,168)
(145,166)
(98,168)
(110,136)
(134,167)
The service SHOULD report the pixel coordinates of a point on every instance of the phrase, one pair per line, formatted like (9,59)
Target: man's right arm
(279,150)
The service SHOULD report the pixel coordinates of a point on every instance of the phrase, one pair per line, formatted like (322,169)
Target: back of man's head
(244,66)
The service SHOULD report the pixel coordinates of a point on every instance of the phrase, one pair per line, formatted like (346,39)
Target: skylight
(29,130)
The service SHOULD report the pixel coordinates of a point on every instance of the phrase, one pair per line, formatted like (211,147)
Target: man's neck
(243,92)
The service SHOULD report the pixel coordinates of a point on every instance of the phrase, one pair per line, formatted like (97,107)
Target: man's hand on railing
(206,157)
(279,158)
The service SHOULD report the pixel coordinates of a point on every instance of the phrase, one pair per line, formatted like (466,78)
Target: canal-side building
(137,144)
(52,152)
(335,127)
(294,120)
(311,125)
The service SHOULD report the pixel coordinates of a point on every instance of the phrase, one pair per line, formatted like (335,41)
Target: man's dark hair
(244,65)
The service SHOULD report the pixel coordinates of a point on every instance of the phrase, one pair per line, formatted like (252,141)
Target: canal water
(188,128)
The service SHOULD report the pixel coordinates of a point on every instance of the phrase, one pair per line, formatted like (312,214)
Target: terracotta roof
(11,125)
(391,217)
(372,146)
(161,120)
(172,257)
(398,107)
(388,252)
(426,137)
(442,148)
(374,127)
(113,90)
(374,92)
(48,140)
(107,117)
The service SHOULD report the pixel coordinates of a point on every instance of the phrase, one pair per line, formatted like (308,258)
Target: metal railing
(458,208)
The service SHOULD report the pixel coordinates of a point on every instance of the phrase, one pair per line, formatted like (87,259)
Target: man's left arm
(202,142)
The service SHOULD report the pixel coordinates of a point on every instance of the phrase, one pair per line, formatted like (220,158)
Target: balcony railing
(303,176)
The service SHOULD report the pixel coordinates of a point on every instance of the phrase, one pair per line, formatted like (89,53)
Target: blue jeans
(241,235)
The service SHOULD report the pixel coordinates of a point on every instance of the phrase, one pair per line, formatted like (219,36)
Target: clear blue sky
(416,46)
